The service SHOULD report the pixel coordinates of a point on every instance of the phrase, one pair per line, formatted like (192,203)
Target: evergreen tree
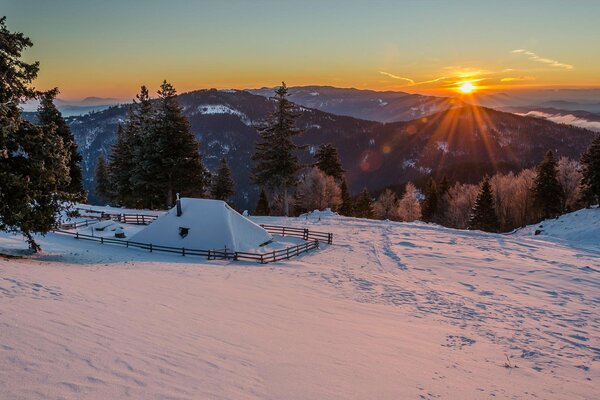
(547,192)
(262,207)
(430,204)
(121,163)
(48,114)
(347,207)
(328,161)
(34,161)
(142,176)
(276,162)
(222,186)
(590,182)
(483,214)
(363,207)
(176,165)
(101,180)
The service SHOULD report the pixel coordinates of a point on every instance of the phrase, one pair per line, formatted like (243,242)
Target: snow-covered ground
(390,311)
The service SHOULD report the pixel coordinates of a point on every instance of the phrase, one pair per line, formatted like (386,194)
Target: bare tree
(409,208)
(386,206)
(318,191)
(461,198)
(569,177)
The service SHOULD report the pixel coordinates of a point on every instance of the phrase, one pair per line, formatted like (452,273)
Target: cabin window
(183,232)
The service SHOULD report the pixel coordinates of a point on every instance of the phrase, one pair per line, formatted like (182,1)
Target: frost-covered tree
(347,206)
(590,169)
(262,206)
(547,192)
(222,187)
(460,199)
(34,159)
(363,206)
(275,161)
(483,215)
(569,176)
(48,114)
(386,205)
(328,161)
(409,208)
(101,180)
(318,191)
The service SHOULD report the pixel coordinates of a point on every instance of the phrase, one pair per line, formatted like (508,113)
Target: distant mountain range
(70,108)
(369,105)
(463,142)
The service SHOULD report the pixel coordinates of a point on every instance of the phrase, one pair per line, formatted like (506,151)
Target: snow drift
(204,224)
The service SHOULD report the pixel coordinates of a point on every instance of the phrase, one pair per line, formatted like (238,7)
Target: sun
(466,87)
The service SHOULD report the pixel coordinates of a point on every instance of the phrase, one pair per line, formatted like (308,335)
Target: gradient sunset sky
(109,48)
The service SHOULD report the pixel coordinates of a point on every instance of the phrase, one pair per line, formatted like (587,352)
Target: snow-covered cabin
(203,224)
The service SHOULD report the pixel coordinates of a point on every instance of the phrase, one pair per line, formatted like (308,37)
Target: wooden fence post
(150,247)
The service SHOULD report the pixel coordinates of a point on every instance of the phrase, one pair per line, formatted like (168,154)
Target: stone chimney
(178,206)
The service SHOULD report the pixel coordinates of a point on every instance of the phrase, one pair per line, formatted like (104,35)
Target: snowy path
(390,311)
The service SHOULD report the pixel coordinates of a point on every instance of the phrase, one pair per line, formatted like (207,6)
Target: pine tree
(590,182)
(142,176)
(101,180)
(222,186)
(430,204)
(328,161)
(48,114)
(34,161)
(177,166)
(347,206)
(276,163)
(363,207)
(547,192)
(262,207)
(121,163)
(483,215)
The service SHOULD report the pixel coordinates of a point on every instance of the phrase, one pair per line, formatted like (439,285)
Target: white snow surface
(390,311)
(579,229)
(211,225)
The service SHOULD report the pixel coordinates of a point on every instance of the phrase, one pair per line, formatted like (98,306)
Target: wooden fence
(222,254)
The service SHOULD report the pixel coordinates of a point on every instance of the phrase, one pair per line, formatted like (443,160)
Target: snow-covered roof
(204,224)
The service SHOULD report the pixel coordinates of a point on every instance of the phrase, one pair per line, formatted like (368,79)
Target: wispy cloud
(568,119)
(412,82)
(517,78)
(397,77)
(534,57)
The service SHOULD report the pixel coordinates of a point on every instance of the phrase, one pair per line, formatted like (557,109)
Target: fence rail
(221,254)
(303,233)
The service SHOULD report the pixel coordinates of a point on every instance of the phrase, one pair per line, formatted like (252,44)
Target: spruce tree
(140,125)
(121,163)
(590,182)
(275,161)
(547,192)
(328,161)
(483,214)
(101,180)
(222,186)
(34,161)
(363,207)
(48,114)
(262,207)
(176,164)
(430,204)
(347,206)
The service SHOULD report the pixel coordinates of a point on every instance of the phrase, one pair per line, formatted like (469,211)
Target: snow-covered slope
(579,229)
(390,311)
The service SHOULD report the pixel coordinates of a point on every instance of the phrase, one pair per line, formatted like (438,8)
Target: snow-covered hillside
(390,311)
